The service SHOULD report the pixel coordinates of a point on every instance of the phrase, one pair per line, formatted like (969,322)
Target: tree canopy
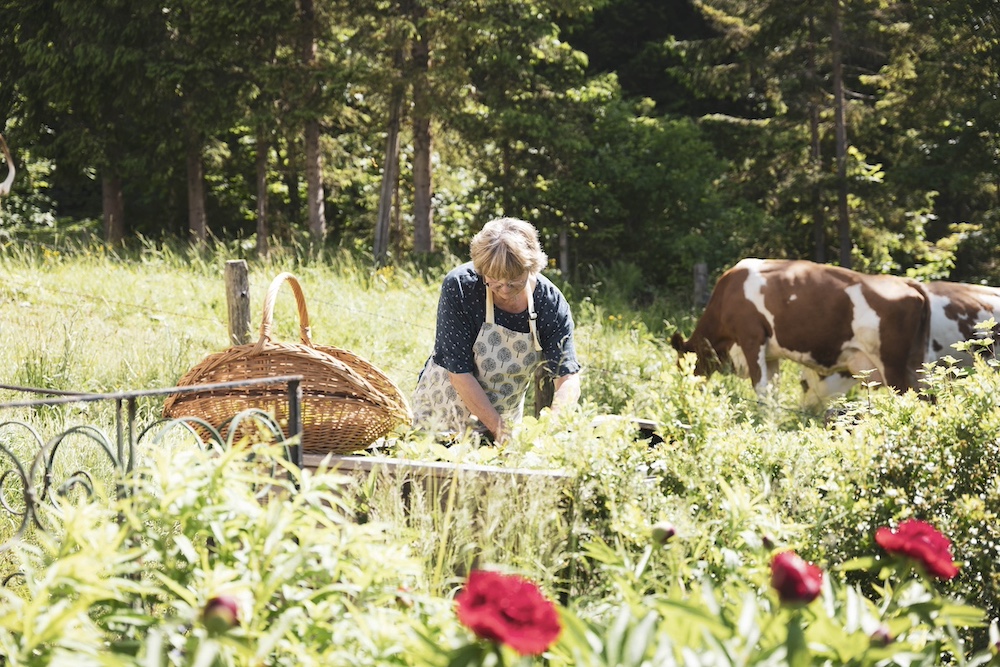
(630,132)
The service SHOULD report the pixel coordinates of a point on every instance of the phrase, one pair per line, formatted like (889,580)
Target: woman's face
(506,288)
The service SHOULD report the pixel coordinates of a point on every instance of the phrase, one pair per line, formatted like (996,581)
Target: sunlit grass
(732,468)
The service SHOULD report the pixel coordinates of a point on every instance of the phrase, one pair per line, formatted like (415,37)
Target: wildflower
(922,543)
(220,614)
(510,610)
(797,582)
(662,532)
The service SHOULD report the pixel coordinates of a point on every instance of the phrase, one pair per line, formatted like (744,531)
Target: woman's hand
(567,391)
(475,399)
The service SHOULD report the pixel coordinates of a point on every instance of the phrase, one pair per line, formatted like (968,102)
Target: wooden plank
(434,469)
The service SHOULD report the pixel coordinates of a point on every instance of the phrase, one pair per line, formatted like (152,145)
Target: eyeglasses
(497,284)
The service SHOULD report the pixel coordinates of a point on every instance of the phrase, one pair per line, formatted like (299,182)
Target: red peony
(920,541)
(796,581)
(508,609)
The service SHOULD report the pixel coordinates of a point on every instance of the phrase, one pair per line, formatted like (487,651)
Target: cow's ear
(677,341)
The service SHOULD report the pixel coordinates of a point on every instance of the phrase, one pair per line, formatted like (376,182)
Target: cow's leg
(770,367)
(860,363)
(749,357)
(817,389)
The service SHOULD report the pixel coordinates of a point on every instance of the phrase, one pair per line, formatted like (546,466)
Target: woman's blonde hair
(506,249)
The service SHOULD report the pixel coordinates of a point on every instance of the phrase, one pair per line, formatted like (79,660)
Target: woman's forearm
(475,399)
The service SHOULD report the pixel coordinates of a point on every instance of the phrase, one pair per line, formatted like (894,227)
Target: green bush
(937,460)
(131,578)
(338,571)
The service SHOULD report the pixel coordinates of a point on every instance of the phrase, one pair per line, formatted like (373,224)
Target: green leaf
(470,655)
(866,563)
(640,639)
(797,649)
(615,639)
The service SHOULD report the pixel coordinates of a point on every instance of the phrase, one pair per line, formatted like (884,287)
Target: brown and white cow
(835,322)
(956,309)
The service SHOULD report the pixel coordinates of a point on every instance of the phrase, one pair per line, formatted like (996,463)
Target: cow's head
(707,359)
(9,181)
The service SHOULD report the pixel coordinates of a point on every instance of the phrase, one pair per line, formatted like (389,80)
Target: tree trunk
(844,221)
(390,171)
(819,212)
(396,233)
(816,154)
(113,204)
(196,193)
(564,251)
(422,171)
(8,182)
(314,183)
(263,227)
(314,161)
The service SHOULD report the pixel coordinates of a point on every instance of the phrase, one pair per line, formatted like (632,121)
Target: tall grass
(735,474)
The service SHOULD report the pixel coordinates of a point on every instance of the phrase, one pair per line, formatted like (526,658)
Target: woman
(498,319)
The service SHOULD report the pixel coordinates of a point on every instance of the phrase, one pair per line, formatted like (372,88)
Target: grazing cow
(956,309)
(834,321)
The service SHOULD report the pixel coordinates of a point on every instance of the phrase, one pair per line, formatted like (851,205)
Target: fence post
(295,419)
(700,284)
(238,301)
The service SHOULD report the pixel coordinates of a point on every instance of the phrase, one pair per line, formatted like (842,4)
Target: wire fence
(29,479)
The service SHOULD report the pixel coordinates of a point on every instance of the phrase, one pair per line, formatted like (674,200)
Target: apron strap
(529,289)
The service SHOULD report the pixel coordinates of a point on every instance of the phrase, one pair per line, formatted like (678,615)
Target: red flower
(220,614)
(508,609)
(921,542)
(796,581)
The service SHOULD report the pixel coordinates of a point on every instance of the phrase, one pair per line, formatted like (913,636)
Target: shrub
(133,578)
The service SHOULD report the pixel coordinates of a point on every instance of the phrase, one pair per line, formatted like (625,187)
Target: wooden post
(544,389)
(700,284)
(238,300)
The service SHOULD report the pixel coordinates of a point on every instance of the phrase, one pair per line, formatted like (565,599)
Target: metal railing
(34,473)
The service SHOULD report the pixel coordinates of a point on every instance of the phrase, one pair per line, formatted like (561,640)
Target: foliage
(706,135)
(736,478)
(935,460)
(194,527)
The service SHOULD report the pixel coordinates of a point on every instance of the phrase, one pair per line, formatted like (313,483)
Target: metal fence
(27,480)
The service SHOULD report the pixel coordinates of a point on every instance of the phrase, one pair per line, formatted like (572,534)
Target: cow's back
(830,318)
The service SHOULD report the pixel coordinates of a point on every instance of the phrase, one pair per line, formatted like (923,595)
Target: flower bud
(404,597)
(797,582)
(220,614)
(662,532)
(881,636)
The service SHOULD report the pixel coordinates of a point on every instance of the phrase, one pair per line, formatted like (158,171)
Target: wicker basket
(347,403)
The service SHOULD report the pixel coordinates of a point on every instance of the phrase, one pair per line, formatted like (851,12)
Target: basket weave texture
(347,403)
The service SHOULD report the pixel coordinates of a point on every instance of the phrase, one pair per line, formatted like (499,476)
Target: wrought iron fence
(27,481)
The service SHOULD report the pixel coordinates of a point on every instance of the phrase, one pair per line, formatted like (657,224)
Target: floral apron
(505,362)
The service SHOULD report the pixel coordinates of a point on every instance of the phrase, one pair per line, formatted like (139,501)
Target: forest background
(640,136)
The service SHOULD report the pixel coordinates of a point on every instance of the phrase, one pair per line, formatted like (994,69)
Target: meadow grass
(736,474)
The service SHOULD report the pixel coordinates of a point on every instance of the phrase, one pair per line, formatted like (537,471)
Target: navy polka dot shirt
(462,312)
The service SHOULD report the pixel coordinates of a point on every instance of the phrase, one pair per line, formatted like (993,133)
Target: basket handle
(268,316)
